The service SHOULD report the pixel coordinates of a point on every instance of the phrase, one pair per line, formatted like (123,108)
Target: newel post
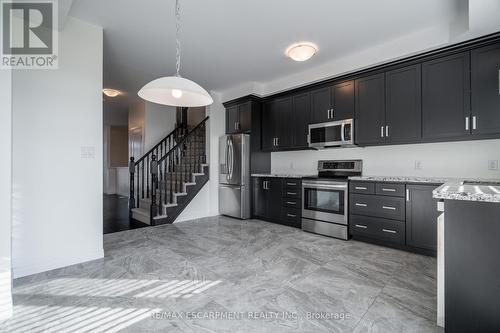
(154,185)
(131,198)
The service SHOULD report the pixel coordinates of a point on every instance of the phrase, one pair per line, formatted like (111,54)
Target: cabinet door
(302,116)
(259,197)
(445,97)
(370,110)
(245,117)
(321,105)
(232,118)
(342,95)
(403,112)
(268,125)
(485,90)
(283,121)
(275,194)
(421,217)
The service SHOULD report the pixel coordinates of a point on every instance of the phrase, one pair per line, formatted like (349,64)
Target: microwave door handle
(342,135)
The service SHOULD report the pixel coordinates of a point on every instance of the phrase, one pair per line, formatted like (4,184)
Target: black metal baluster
(172,177)
(154,173)
(131,199)
(142,179)
(147,176)
(138,185)
(160,201)
(165,178)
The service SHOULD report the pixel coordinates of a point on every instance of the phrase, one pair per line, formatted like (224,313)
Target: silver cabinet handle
(407,195)
(389,231)
(361,204)
(387,130)
(360,188)
(277,141)
(389,207)
(333,114)
(389,189)
(381,131)
(291,184)
(499,81)
(291,203)
(474,122)
(291,193)
(291,215)
(466,123)
(361,226)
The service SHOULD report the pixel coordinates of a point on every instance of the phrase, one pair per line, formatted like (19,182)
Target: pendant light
(176,90)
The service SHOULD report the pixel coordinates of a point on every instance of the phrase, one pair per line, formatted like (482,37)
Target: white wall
(159,121)
(57,194)
(198,207)
(5,193)
(468,159)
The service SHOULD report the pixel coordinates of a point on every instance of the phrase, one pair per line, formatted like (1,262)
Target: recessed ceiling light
(301,51)
(111,92)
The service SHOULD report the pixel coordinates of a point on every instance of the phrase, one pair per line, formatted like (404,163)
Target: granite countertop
(463,190)
(402,179)
(279,175)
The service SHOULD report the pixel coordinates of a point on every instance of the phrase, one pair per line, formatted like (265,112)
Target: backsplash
(465,159)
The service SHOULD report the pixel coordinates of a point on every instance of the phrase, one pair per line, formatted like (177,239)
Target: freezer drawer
(234,201)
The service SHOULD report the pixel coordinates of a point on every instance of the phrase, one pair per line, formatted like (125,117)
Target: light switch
(87,152)
(419,165)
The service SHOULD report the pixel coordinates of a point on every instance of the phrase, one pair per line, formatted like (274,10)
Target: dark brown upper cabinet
(403,112)
(445,98)
(277,118)
(301,119)
(333,103)
(238,118)
(485,90)
(369,120)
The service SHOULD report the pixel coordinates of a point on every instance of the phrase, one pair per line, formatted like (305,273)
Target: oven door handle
(322,186)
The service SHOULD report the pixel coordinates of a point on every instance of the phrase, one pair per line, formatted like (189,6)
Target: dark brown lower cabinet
(394,214)
(421,217)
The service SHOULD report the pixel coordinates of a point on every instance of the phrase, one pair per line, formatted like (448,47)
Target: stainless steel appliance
(234,175)
(325,198)
(331,134)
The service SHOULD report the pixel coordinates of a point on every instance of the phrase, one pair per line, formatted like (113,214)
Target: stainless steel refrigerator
(234,175)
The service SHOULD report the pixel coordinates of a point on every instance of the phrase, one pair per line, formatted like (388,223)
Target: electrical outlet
(419,165)
(291,166)
(87,152)
(493,165)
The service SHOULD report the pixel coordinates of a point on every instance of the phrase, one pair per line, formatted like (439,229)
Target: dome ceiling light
(176,90)
(301,51)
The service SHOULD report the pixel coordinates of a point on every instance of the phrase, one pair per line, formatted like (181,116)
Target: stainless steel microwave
(331,134)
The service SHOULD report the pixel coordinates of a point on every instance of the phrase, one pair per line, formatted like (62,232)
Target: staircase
(168,177)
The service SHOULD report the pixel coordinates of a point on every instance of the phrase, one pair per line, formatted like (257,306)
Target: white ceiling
(228,42)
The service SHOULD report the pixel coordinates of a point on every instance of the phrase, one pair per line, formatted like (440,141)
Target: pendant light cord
(177,37)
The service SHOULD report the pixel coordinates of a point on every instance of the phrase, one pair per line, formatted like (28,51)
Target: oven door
(325,201)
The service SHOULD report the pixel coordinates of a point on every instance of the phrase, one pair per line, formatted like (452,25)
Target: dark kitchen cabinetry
(421,217)
(370,110)
(394,214)
(277,132)
(403,112)
(485,88)
(445,97)
(277,200)
(238,118)
(301,119)
(333,103)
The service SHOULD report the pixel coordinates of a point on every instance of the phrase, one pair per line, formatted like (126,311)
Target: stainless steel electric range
(325,198)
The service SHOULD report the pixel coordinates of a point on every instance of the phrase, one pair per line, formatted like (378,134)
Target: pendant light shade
(175,91)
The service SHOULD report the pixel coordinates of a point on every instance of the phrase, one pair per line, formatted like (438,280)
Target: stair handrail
(174,132)
(184,138)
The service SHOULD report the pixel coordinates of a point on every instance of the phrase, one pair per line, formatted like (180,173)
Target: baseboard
(22,271)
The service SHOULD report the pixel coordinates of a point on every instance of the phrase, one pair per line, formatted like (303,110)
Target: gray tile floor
(224,275)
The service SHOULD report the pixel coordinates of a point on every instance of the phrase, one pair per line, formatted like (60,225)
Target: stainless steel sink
(481,183)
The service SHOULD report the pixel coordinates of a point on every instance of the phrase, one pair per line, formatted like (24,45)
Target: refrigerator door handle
(231,161)
(227,159)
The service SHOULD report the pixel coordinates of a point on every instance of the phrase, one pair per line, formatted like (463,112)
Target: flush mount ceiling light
(176,90)
(111,92)
(301,51)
